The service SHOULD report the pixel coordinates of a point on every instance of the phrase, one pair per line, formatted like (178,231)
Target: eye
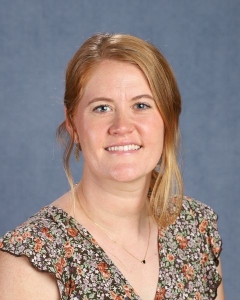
(141,106)
(102,108)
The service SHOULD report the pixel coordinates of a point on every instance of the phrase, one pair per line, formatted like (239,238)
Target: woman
(124,231)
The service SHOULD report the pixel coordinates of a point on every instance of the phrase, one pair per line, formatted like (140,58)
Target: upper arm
(20,280)
(220,290)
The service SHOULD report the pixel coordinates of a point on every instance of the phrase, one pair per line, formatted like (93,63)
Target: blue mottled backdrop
(201,40)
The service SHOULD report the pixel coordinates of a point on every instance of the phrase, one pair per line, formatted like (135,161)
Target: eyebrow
(138,97)
(143,96)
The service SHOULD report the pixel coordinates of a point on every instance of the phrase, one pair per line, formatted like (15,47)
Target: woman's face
(119,127)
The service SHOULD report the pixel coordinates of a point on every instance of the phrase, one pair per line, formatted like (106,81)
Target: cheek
(90,136)
(155,131)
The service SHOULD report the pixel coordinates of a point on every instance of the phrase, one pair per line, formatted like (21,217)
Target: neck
(114,206)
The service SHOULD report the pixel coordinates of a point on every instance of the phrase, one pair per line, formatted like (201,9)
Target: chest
(173,272)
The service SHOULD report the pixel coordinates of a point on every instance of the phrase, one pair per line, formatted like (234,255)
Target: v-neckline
(87,235)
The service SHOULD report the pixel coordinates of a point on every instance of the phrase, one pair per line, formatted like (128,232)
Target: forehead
(112,75)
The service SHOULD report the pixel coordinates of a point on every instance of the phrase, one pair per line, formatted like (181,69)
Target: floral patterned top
(56,243)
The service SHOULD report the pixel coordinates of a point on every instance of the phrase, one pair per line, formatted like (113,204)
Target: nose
(121,124)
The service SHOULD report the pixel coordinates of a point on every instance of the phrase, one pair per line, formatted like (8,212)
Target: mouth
(124,148)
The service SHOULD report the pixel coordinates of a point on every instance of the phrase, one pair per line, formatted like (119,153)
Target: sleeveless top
(56,243)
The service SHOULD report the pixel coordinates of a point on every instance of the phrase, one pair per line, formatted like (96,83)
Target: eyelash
(96,109)
(146,106)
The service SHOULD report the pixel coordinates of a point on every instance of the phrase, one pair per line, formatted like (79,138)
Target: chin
(127,175)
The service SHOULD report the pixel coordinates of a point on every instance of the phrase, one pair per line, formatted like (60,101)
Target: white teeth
(124,148)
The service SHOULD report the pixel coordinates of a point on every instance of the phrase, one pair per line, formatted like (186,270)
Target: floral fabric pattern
(56,243)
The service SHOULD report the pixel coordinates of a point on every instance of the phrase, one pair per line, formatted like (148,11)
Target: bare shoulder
(20,280)
(64,202)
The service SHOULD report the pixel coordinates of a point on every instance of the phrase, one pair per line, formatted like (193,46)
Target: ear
(70,126)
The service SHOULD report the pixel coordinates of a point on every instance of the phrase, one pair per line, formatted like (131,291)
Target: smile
(124,148)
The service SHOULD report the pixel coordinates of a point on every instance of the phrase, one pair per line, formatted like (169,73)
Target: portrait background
(200,39)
